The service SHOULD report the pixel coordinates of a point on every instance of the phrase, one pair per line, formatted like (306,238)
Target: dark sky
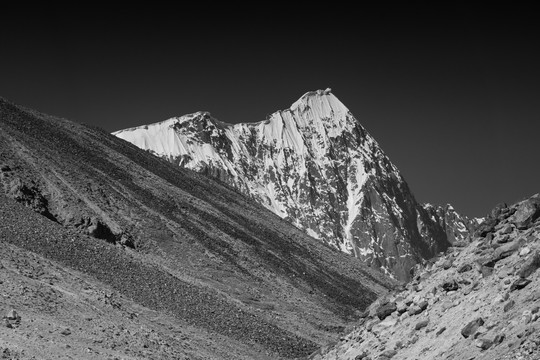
(452,95)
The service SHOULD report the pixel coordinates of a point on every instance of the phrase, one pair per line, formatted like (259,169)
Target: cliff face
(316,166)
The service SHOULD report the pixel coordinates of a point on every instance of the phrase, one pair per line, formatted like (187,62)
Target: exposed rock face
(469,312)
(316,166)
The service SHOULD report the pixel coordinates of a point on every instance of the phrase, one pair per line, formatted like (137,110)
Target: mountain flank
(192,253)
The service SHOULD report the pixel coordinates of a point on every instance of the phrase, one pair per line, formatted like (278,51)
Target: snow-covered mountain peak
(315,165)
(320,104)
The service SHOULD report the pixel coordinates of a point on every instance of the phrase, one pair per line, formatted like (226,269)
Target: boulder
(386,309)
(414,310)
(464,268)
(486,271)
(447,264)
(519,284)
(499,338)
(527,212)
(483,344)
(440,331)
(12,315)
(421,324)
(486,227)
(388,354)
(450,285)
(530,265)
(401,307)
(423,304)
(471,327)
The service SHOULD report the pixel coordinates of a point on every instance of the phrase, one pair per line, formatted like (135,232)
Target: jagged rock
(527,212)
(471,327)
(386,309)
(530,265)
(464,268)
(519,284)
(421,324)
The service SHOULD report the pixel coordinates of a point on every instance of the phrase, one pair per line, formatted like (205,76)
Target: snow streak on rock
(316,166)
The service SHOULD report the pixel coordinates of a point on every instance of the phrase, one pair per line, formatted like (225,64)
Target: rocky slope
(166,239)
(316,166)
(479,300)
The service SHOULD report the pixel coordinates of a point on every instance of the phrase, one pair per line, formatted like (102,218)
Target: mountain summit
(316,166)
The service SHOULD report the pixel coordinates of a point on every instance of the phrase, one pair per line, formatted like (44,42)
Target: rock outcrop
(477,301)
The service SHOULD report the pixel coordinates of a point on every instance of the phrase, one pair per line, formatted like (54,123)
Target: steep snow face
(314,165)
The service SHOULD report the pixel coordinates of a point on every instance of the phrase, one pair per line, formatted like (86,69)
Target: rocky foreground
(479,300)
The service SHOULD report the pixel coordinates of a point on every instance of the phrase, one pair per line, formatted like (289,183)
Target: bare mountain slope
(316,166)
(173,241)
